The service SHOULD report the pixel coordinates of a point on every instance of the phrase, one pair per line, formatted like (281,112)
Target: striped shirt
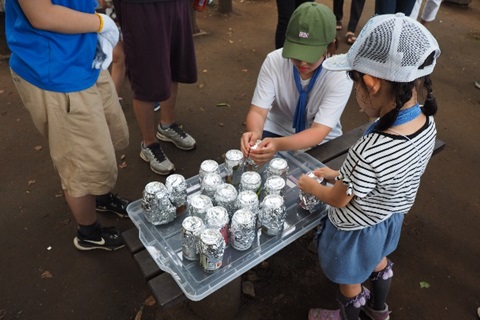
(383,172)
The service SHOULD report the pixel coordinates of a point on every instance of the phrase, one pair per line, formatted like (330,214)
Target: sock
(350,307)
(165,125)
(88,231)
(380,285)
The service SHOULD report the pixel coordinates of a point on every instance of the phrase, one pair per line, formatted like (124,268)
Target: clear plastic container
(164,242)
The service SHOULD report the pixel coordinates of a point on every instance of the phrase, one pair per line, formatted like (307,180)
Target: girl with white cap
(390,64)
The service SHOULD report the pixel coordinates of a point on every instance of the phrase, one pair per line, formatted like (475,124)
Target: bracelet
(100,27)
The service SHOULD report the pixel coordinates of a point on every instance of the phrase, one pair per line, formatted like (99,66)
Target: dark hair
(402,91)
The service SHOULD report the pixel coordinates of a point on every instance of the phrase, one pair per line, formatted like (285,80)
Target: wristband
(100,27)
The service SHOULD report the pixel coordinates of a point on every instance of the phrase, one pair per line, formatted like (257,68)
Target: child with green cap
(297,104)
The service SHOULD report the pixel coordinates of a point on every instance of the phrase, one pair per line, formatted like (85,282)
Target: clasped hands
(264,151)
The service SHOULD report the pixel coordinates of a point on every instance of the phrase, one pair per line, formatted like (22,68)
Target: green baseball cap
(310,30)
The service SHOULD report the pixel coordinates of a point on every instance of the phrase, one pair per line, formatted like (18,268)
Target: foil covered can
(250,165)
(272,214)
(306,200)
(234,165)
(209,184)
(212,248)
(177,189)
(242,229)
(248,199)
(198,205)
(251,180)
(208,166)
(274,185)
(191,230)
(277,167)
(156,204)
(217,218)
(225,196)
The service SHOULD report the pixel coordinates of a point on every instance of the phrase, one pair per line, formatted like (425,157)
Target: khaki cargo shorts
(83,129)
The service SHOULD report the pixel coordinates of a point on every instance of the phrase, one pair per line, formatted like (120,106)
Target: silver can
(274,185)
(212,248)
(277,167)
(198,205)
(225,196)
(250,165)
(209,184)
(242,229)
(272,214)
(191,229)
(251,180)
(217,218)
(306,200)
(156,204)
(248,199)
(234,165)
(208,166)
(177,189)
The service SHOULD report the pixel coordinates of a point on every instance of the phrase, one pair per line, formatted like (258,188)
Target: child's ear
(372,83)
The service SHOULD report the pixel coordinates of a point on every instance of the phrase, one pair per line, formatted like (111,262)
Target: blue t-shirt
(49,60)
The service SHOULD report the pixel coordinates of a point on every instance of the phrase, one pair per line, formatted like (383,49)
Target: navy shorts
(159,47)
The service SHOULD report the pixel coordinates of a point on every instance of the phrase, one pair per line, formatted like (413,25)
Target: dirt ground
(42,276)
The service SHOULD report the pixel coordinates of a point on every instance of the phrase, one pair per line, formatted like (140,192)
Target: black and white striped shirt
(383,171)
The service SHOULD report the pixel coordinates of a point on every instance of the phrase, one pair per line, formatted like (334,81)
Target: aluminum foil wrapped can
(209,184)
(274,185)
(248,199)
(217,218)
(251,180)
(306,200)
(272,214)
(250,165)
(156,203)
(225,196)
(177,190)
(234,166)
(242,229)
(211,247)
(198,205)
(277,167)
(191,230)
(208,166)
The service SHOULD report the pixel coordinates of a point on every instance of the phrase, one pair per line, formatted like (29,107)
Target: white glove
(103,55)
(107,39)
(109,30)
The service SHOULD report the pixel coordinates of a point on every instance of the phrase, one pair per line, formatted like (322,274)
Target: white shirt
(276,91)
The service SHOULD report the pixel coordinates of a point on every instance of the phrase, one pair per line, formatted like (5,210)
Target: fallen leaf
(244,70)
(231,41)
(424,285)
(122,165)
(38,148)
(223,104)
(150,301)
(122,157)
(49,248)
(201,85)
(30,182)
(204,70)
(46,275)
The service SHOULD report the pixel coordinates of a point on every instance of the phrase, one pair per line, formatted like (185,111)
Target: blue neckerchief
(404,116)
(299,117)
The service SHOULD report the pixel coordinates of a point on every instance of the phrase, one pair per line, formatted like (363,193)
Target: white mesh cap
(391,47)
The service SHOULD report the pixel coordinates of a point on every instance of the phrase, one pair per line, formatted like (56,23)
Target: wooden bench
(163,286)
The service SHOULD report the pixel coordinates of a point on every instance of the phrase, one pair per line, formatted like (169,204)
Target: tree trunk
(195,28)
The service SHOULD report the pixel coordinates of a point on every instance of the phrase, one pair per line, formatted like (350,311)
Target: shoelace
(157,152)
(178,130)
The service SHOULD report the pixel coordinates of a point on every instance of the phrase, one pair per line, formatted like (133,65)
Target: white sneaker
(159,163)
(177,136)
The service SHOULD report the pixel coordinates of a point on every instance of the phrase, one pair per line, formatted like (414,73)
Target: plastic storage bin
(164,242)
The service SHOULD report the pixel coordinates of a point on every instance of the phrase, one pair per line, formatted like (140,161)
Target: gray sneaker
(159,162)
(177,136)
